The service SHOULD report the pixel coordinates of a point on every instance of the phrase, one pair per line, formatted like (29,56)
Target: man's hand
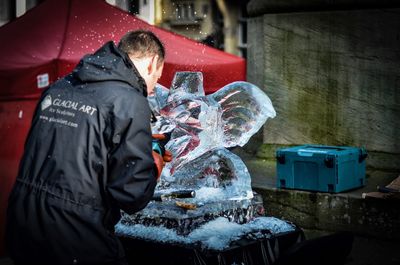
(158,160)
(160,155)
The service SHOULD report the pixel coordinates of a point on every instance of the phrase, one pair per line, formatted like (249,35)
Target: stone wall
(341,212)
(333,76)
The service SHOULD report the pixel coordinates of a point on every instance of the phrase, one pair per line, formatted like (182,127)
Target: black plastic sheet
(243,251)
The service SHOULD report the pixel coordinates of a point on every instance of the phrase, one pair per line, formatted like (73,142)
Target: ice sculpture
(202,127)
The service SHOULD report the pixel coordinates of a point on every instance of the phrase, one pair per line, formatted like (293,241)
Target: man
(88,155)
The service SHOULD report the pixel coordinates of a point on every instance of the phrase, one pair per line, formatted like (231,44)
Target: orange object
(186,205)
(159,161)
(159,136)
(167,156)
(161,140)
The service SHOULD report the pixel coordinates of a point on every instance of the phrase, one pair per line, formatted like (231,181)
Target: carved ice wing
(245,108)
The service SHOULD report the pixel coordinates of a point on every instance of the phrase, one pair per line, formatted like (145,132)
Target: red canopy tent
(47,42)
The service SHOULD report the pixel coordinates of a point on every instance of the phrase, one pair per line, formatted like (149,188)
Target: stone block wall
(332,73)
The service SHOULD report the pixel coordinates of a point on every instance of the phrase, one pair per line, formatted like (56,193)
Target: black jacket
(88,155)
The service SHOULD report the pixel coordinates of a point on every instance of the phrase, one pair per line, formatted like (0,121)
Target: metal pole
(32,3)
(7,11)
(123,4)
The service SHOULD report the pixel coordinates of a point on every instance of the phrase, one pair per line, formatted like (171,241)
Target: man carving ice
(88,155)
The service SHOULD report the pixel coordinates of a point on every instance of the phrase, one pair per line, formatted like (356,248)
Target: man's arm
(132,172)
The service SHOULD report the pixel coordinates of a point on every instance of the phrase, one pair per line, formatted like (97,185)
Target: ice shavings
(217,234)
(275,225)
(153,233)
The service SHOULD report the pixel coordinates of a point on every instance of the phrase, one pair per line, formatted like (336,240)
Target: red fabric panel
(88,30)
(22,83)
(15,117)
(29,43)
(52,37)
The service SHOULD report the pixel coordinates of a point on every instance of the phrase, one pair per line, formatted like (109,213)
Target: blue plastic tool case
(321,168)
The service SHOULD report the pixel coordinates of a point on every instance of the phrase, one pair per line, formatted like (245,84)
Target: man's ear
(152,67)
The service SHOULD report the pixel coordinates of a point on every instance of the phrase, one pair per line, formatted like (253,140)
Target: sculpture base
(183,221)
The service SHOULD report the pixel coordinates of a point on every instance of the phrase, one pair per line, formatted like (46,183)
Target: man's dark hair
(142,43)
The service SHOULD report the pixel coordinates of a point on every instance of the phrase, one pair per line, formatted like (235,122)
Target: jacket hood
(109,64)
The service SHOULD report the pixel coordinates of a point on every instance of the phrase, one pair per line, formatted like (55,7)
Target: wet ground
(367,250)
(6,261)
